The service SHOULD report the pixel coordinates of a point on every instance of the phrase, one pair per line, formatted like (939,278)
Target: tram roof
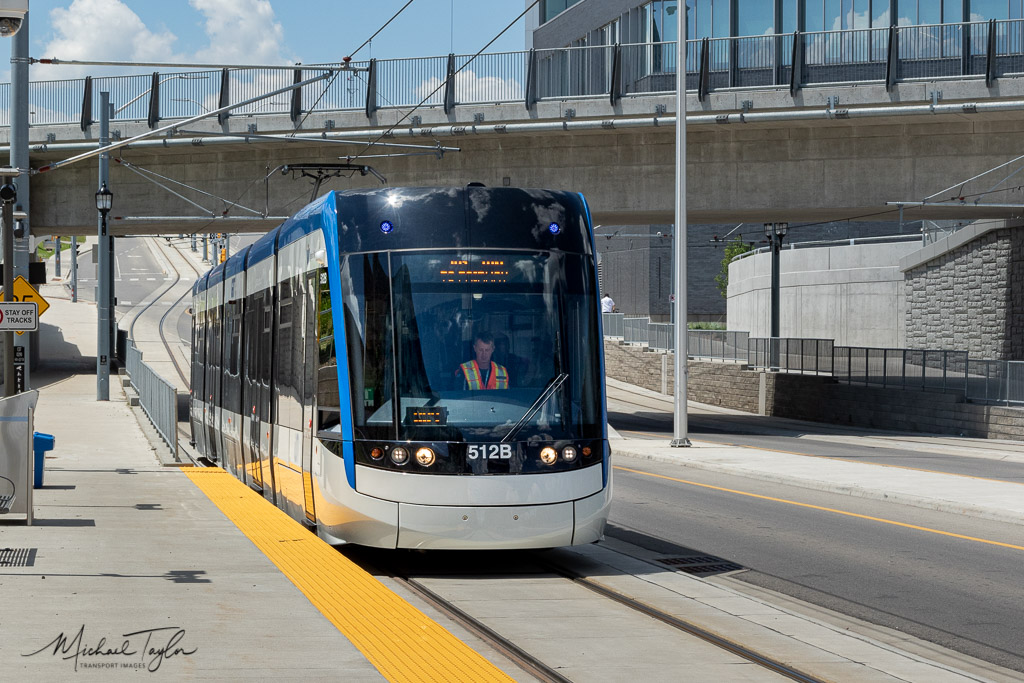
(262,249)
(236,263)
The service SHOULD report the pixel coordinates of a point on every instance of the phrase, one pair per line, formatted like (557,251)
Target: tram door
(311,361)
(262,424)
(250,391)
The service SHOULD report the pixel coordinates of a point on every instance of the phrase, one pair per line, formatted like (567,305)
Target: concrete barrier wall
(851,293)
(814,398)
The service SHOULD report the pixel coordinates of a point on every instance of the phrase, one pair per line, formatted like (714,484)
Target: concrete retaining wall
(814,398)
(852,294)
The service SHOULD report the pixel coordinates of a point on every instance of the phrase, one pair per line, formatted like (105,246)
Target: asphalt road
(962,594)
(639,421)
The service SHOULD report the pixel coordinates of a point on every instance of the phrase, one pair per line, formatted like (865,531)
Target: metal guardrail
(718,344)
(924,369)
(888,55)
(987,381)
(634,330)
(157,396)
(611,324)
(791,354)
(661,336)
(996,381)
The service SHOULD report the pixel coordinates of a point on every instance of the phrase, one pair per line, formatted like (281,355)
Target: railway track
(542,564)
(170,342)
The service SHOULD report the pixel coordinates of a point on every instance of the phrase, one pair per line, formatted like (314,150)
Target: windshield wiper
(548,392)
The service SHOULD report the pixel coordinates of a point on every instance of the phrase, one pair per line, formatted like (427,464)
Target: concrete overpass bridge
(765,141)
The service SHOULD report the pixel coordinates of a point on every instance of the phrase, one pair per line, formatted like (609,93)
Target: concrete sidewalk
(978,497)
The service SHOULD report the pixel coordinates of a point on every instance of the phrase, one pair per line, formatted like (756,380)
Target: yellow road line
(825,509)
(402,642)
(830,457)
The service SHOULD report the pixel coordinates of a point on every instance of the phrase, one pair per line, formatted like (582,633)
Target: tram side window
(213,355)
(285,352)
(198,351)
(266,307)
(232,351)
(366,291)
(249,361)
(327,396)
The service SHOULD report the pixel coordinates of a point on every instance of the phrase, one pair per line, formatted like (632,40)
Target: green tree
(733,248)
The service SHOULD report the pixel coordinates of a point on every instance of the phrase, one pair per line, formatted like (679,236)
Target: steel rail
(685,626)
(507,648)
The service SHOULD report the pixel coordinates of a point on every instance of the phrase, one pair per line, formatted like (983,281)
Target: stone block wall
(815,398)
(970,298)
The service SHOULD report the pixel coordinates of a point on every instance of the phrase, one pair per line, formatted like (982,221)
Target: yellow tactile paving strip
(402,642)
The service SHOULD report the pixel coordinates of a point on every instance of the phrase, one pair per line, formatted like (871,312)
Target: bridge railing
(989,49)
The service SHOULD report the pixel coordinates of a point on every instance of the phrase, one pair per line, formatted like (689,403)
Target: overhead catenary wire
(327,86)
(149,175)
(445,81)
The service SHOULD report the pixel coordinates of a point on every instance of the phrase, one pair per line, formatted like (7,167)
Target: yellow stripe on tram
(402,642)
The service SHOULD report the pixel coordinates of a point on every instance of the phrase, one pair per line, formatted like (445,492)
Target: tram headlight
(425,456)
(569,453)
(548,455)
(399,455)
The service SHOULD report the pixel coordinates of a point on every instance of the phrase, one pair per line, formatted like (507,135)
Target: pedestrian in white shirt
(608,304)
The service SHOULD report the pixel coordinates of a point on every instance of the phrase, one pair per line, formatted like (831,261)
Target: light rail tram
(413,368)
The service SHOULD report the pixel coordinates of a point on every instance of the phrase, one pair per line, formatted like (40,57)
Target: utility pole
(775,232)
(74,269)
(56,256)
(8,194)
(103,312)
(19,159)
(680,437)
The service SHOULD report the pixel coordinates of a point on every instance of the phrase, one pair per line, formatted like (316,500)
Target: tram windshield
(472,346)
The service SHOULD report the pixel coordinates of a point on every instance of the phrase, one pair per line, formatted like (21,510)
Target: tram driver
(481,372)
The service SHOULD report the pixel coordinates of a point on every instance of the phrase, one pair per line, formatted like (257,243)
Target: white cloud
(471,88)
(237,31)
(101,30)
(240,32)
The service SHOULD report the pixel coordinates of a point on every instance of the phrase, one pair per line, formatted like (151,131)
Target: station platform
(186,574)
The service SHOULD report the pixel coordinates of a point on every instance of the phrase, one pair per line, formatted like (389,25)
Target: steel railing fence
(916,369)
(718,344)
(660,336)
(941,50)
(634,330)
(791,354)
(996,381)
(924,369)
(157,396)
(612,325)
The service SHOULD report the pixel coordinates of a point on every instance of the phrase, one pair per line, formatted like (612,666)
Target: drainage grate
(700,564)
(17,557)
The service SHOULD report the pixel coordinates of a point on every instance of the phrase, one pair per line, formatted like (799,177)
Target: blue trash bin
(41,443)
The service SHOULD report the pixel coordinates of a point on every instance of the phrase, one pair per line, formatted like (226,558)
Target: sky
(259,31)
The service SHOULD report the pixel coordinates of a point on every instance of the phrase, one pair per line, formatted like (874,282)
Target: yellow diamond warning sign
(26,293)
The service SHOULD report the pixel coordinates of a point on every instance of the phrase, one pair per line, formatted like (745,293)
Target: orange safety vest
(497,380)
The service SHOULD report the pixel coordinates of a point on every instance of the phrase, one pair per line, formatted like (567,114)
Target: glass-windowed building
(841,40)
(562,23)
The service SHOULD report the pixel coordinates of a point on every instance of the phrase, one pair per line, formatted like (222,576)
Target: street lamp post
(775,232)
(8,195)
(104,200)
